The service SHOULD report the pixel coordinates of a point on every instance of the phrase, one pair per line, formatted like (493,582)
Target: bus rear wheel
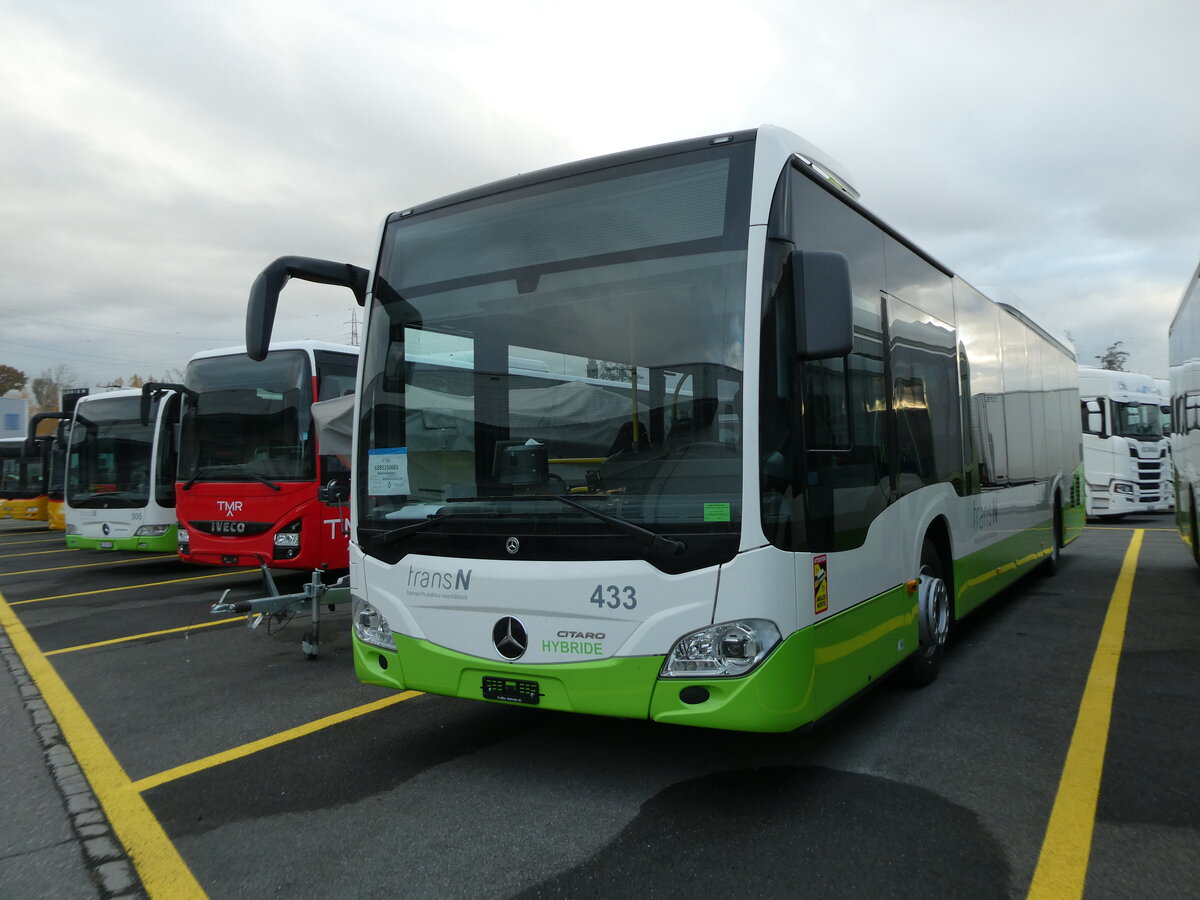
(1050,566)
(933,618)
(1195,531)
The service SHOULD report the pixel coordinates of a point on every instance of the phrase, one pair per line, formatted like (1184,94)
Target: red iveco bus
(253,487)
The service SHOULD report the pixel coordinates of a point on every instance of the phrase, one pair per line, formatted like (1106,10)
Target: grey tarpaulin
(575,418)
(335,425)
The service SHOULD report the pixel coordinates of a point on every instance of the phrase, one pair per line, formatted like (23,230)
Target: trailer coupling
(315,594)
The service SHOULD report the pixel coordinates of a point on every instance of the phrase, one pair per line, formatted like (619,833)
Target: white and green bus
(120,482)
(1184,354)
(771,452)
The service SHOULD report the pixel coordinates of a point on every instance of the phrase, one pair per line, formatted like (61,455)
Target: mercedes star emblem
(512,545)
(510,638)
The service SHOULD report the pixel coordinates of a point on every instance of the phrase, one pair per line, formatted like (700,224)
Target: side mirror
(32,440)
(1094,415)
(823,304)
(336,493)
(144,405)
(264,293)
(152,390)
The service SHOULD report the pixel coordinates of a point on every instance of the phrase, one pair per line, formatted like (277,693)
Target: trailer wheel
(933,618)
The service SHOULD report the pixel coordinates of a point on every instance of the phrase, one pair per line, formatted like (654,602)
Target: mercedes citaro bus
(774,452)
(120,473)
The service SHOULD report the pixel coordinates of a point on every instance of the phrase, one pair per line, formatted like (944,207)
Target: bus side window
(335,386)
(924,364)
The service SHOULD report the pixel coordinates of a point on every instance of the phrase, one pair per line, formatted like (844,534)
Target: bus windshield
(110,454)
(21,476)
(1137,420)
(248,420)
(579,337)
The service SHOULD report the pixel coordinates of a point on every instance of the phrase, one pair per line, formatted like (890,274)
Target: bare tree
(173,375)
(48,387)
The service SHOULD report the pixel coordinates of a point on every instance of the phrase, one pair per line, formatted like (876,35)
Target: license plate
(511,689)
(106,545)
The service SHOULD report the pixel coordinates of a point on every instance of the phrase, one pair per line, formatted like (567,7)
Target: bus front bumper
(774,697)
(163,543)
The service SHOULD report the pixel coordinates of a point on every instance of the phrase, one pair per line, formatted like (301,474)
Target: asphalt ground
(1055,756)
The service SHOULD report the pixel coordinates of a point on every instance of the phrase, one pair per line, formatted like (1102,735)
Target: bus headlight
(72,529)
(728,649)
(370,626)
(185,540)
(152,531)
(287,540)
(289,534)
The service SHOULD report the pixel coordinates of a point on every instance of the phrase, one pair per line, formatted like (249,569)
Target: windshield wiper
(203,469)
(652,540)
(386,537)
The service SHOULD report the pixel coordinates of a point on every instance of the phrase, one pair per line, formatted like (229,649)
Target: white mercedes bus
(773,449)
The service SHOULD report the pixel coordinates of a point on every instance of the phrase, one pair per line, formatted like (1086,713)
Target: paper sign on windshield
(387,471)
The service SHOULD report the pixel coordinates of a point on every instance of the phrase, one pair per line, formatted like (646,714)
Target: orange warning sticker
(820,584)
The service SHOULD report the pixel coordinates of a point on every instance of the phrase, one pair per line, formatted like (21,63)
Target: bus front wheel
(933,617)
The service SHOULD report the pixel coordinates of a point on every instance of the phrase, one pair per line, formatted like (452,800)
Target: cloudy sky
(154,156)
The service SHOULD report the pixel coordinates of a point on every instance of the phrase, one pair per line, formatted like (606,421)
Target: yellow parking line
(1063,862)
(148,634)
(37,552)
(162,870)
(4,543)
(131,587)
(1128,528)
(216,759)
(114,562)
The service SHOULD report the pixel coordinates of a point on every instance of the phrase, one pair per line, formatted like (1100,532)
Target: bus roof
(109,395)
(1183,300)
(280,345)
(775,145)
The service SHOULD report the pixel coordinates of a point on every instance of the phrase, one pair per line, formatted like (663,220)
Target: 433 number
(614,597)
